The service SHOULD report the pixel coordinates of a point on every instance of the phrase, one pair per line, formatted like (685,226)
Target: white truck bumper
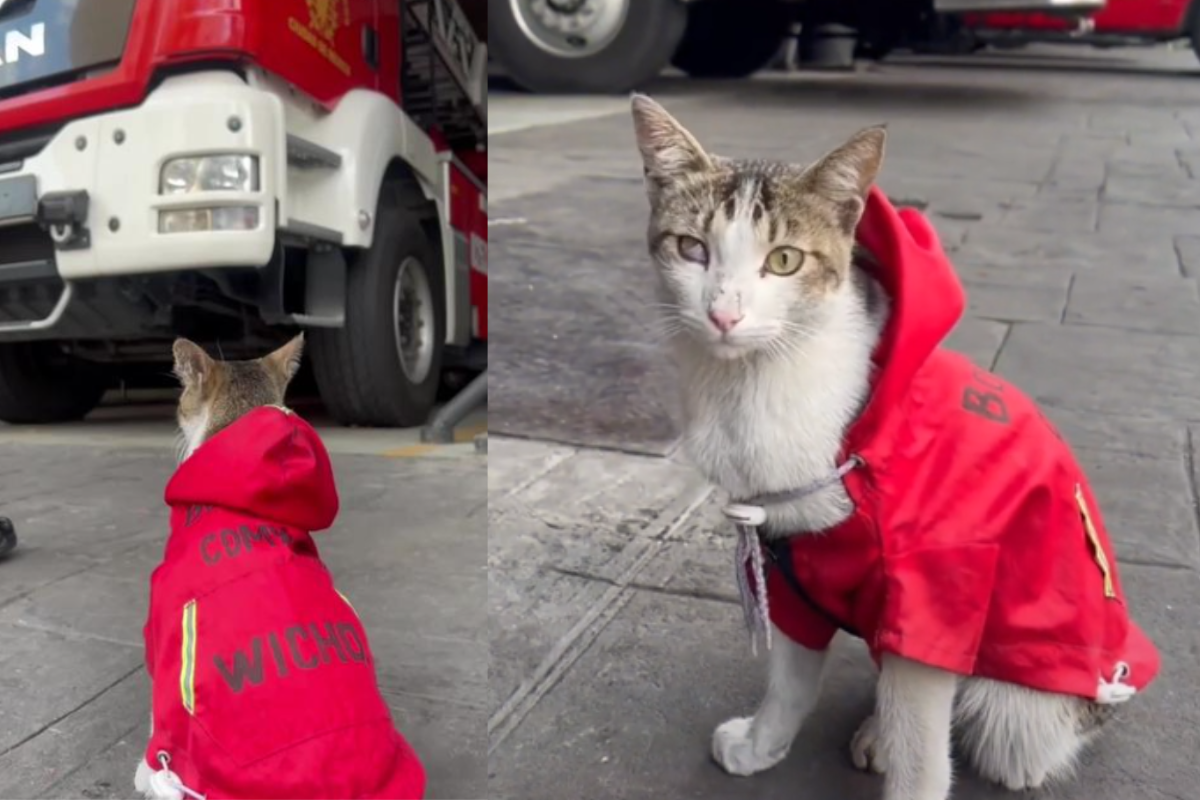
(117,158)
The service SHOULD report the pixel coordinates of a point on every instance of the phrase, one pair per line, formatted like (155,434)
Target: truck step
(305,154)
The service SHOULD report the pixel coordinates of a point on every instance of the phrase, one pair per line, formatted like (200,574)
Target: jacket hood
(269,464)
(927,299)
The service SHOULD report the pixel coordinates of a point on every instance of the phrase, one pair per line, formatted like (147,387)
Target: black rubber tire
(39,384)
(1193,26)
(651,33)
(873,50)
(357,367)
(732,38)
(8,537)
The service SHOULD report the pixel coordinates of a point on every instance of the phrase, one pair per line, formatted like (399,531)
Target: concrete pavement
(87,503)
(1065,185)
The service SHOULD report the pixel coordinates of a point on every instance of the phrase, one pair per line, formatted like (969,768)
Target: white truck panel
(186,115)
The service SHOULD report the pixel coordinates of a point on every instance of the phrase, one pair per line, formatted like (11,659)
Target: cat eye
(692,249)
(784,261)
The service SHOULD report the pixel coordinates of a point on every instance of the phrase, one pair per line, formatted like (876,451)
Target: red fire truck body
(1120,23)
(233,171)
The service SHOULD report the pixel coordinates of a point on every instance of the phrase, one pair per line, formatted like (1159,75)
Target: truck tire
(732,39)
(620,46)
(1193,26)
(39,384)
(383,368)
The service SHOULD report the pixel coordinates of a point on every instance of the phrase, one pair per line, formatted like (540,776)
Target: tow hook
(64,215)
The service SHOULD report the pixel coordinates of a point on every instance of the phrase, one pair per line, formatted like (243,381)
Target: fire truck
(235,171)
(612,46)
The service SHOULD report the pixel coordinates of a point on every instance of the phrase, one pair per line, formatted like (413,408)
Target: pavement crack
(1184,164)
(1154,563)
(82,705)
(21,596)
(687,594)
(1008,329)
(72,634)
(1062,318)
(437,699)
(549,466)
(1189,463)
(576,641)
(1180,262)
(53,790)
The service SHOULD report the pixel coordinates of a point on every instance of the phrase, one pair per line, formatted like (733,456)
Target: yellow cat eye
(784,261)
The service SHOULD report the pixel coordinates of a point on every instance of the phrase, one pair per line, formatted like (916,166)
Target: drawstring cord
(166,785)
(748,518)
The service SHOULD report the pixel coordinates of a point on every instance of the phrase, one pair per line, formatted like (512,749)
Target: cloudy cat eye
(784,261)
(692,249)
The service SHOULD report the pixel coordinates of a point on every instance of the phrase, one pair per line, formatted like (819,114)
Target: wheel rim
(413,315)
(571,28)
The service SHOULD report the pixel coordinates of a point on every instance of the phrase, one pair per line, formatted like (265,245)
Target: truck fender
(368,132)
(371,140)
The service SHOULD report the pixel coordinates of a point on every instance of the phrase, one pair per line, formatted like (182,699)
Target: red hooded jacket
(264,684)
(976,545)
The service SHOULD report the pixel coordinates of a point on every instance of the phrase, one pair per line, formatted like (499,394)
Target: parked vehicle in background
(233,172)
(618,45)
(1119,24)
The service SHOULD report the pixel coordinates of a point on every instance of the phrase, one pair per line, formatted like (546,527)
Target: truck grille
(22,244)
(17,146)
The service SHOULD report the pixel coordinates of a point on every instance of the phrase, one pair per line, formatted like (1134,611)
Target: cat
(785,328)
(262,678)
(218,393)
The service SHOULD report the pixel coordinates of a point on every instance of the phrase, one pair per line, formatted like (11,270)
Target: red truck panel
(1149,17)
(317,45)
(468,213)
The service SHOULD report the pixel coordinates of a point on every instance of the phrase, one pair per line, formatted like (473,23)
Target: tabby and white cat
(775,364)
(218,393)
(215,395)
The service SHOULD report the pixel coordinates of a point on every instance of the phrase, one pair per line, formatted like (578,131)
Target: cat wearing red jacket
(882,485)
(264,682)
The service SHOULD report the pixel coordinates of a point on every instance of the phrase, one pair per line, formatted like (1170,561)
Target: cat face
(217,393)
(751,255)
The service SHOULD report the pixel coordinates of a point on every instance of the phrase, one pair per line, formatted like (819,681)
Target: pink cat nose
(725,320)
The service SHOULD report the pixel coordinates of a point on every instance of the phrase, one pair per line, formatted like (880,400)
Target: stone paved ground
(87,503)
(1067,190)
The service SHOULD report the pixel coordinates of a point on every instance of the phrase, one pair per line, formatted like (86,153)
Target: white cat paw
(865,751)
(733,748)
(1024,780)
(141,778)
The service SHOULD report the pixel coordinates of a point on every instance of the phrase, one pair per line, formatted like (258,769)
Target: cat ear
(846,174)
(668,150)
(192,364)
(286,360)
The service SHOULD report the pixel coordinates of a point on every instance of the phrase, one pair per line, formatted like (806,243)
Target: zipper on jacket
(187,663)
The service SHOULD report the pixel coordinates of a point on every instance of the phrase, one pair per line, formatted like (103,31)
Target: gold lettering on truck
(325,19)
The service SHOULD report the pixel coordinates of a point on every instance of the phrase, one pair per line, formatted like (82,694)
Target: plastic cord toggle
(166,785)
(1115,691)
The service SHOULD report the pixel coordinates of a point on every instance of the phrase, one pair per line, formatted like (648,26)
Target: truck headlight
(223,218)
(217,173)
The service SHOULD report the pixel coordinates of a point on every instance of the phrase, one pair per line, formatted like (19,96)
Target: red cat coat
(264,684)
(976,545)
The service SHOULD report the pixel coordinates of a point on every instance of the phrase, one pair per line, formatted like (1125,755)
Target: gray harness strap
(748,517)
